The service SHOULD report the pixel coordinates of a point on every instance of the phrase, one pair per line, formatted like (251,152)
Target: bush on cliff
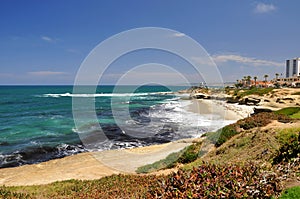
(293,112)
(213,181)
(257,120)
(186,155)
(290,146)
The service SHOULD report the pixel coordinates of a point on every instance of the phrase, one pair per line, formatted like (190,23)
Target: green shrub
(223,181)
(4,193)
(290,147)
(291,193)
(169,162)
(186,155)
(289,111)
(225,134)
(190,153)
(257,120)
(255,91)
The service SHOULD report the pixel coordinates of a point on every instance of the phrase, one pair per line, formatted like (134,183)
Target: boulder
(232,100)
(249,101)
(261,110)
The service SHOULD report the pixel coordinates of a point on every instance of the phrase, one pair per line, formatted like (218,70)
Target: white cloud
(245,60)
(264,8)
(203,61)
(46,73)
(178,34)
(48,39)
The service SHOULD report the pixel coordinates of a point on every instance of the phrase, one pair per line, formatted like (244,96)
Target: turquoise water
(37,122)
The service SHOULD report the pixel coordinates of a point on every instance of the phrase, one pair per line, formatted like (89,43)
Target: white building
(292,68)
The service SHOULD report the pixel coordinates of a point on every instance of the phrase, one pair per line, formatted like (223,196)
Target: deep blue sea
(36,122)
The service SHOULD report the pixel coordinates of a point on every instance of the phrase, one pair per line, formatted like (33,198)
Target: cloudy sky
(45,42)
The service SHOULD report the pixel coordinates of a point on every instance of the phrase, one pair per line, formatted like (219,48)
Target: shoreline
(95,165)
(220,108)
(89,165)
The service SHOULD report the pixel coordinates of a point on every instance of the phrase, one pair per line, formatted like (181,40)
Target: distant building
(292,68)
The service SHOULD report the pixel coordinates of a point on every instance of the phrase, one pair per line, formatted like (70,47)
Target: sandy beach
(88,166)
(94,165)
(220,108)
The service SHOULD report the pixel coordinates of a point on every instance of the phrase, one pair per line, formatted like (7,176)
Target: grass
(258,120)
(253,91)
(257,91)
(225,134)
(285,136)
(296,115)
(186,155)
(289,140)
(291,193)
(292,112)
(115,186)
(204,181)
(168,162)
(248,144)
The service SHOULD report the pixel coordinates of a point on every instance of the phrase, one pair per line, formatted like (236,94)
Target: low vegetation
(218,174)
(292,112)
(291,193)
(205,181)
(258,120)
(239,93)
(219,181)
(186,155)
(290,145)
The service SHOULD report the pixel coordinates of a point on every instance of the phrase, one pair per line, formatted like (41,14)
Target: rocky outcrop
(261,110)
(250,101)
(201,96)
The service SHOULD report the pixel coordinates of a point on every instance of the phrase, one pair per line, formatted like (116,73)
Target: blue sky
(45,42)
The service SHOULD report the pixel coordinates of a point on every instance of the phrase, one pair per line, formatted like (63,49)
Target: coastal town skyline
(46,42)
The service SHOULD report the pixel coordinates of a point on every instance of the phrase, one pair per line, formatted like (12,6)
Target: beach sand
(94,165)
(88,166)
(221,109)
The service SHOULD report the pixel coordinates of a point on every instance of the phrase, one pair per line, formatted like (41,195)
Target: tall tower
(292,68)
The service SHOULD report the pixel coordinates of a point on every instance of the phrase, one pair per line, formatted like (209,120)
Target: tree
(266,78)
(238,84)
(277,75)
(245,81)
(248,80)
(255,78)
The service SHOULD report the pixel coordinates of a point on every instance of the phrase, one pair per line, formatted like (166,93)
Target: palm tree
(255,78)
(277,75)
(248,80)
(277,84)
(245,81)
(266,78)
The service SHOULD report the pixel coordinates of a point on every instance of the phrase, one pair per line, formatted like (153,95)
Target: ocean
(36,122)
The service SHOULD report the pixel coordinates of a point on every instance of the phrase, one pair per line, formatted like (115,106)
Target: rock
(288,98)
(249,101)
(232,100)
(201,96)
(261,110)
